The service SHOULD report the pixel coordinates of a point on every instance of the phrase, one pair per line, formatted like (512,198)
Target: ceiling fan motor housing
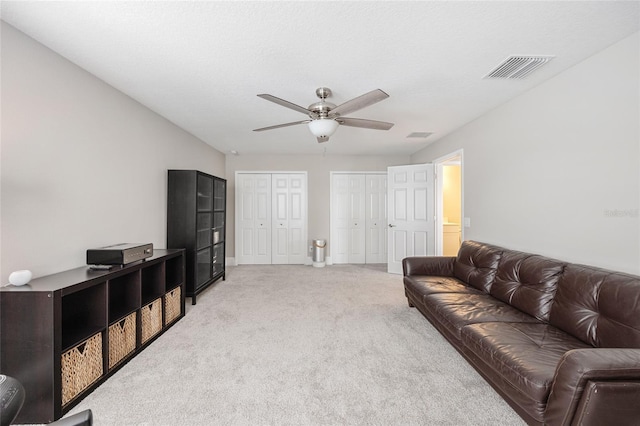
(321,109)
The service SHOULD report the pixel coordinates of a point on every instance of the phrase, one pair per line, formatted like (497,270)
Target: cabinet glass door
(220,194)
(218,228)
(204,230)
(205,193)
(203,267)
(218,258)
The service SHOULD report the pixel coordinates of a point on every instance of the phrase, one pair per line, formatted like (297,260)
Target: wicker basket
(172,305)
(122,339)
(151,319)
(81,366)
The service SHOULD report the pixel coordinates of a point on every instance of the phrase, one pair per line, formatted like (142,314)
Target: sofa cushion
(528,282)
(598,307)
(456,310)
(524,354)
(476,264)
(422,285)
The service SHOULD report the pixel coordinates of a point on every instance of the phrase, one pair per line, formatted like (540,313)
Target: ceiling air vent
(420,134)
(518,66)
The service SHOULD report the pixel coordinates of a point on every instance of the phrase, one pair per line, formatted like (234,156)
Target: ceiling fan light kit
(323,127)
(325,117)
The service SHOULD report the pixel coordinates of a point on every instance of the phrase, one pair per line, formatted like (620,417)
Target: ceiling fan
(324,117)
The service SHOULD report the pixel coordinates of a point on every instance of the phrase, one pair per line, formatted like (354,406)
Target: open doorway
(449,203)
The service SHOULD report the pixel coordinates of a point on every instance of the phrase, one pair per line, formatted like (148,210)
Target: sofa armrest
(441,266)
(580,367)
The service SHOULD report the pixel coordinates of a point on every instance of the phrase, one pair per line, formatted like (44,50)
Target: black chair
(11,400)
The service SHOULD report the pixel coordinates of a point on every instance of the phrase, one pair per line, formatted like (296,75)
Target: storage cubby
(63,335)
(84,313)
(174,273)
(153,285)
(124,295)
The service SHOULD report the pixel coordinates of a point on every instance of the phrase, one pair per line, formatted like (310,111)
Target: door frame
(455,157)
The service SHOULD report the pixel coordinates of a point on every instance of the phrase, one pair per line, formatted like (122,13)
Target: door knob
(391,226)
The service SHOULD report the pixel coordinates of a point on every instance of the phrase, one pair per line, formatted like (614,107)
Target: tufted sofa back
(599,307)
(476,264)
(527,282)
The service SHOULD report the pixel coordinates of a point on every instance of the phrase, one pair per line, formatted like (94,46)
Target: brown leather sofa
(559,342)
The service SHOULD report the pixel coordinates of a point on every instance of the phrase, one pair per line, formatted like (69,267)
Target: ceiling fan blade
(323,139)
(284,103)
(277,126)
(359,102)
(366,124)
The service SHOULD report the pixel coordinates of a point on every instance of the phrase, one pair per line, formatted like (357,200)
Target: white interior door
(410,213)
(253,212)
(376,221)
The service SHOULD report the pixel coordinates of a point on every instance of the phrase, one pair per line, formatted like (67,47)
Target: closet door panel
(254,218)
(297,219)
(340,218)
(376,196)
(262,223)
(357,218)
(280,220)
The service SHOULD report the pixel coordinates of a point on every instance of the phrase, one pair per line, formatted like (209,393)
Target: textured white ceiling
(201,64)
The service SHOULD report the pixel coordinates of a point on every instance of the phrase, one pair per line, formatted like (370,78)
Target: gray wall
(82,165)
(557,170)
(317,168)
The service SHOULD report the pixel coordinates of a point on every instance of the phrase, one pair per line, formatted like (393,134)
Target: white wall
(317,168)
(556,171)
(82,165)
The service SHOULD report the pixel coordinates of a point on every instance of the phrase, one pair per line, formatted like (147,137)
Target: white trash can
(318,253)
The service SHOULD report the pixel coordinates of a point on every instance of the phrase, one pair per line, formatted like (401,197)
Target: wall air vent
(518,66)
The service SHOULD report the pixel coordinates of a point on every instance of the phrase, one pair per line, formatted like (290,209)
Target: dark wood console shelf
(63,335)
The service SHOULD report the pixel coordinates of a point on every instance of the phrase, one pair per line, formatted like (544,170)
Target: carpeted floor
(296,345)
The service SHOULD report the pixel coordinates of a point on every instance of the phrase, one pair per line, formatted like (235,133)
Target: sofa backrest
(528,282)
(476,264)
(599,307)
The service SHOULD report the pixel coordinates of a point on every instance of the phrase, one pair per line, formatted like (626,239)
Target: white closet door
(280,219)
(340,218)
(348,216)
(254,219)
(289,212)
(376,223)
(357,219)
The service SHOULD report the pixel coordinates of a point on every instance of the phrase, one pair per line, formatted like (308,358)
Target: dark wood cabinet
(196,219)
(62,335)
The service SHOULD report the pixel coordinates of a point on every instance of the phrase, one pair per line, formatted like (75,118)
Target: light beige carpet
(296,345)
